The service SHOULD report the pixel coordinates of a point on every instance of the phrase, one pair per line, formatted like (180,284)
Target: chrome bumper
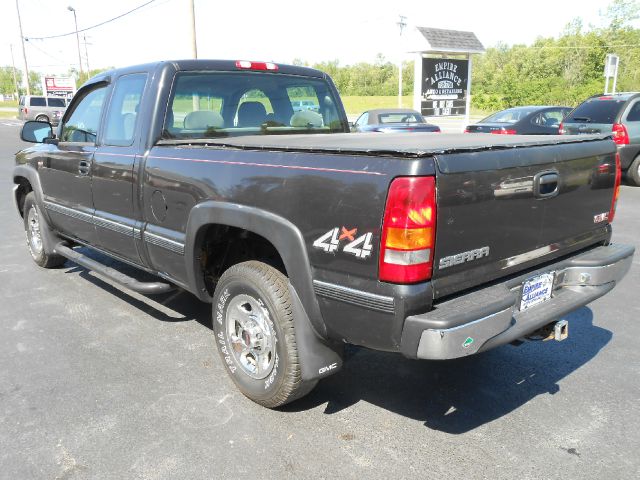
(491,317)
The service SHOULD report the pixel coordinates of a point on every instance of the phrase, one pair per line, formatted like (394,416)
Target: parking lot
(99,383)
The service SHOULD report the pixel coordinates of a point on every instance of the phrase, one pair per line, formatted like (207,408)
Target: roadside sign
(610,65)
(444,86)
(59,86)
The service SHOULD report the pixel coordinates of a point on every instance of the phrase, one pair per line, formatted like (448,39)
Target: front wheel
(255,336)
(633,174)
(39,235)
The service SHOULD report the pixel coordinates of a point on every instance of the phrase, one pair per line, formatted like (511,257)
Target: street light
(75,19)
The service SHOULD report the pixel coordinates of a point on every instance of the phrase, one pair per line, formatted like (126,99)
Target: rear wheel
(633,174)
(253,323)
(39,235)
(42,118)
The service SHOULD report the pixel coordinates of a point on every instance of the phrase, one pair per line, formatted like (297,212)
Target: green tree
(7,86)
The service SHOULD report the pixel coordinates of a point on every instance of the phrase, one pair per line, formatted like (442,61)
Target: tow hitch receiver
(553,331)
(561,330)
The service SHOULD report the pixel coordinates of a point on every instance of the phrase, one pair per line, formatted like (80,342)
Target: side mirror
(36,132)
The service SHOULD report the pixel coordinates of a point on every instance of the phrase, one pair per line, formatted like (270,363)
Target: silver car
(44,109)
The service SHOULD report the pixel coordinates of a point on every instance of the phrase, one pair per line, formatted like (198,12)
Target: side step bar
(146,288)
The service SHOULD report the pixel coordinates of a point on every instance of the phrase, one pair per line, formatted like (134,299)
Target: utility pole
(86,54)
(402,23)
(15,78)
(75,20)
(194,45)
(24,52)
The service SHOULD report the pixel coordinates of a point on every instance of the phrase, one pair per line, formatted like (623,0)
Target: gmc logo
(328,368)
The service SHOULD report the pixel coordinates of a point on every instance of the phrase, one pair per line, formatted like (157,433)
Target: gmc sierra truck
(305,237)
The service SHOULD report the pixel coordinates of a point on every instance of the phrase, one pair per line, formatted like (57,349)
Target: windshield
(597,110)
(511,115)
(228,104)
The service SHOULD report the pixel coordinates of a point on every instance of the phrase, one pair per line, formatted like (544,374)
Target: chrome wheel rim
(35,237)
(251,335)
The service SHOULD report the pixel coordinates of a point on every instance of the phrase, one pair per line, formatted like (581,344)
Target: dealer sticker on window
(537,290)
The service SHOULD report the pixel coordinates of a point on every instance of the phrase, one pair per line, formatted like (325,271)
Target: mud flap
(318,358)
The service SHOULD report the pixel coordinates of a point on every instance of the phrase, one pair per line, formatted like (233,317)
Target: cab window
(123,110)
(83,122)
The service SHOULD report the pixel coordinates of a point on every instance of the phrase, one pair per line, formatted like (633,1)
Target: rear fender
(318,356)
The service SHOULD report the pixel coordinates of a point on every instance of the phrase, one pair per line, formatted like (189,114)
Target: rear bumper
(490,317)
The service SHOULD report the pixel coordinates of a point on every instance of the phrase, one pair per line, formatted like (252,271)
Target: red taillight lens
(408,231)
(616,189)
(466,130)
(247,65)
(561,129)
(26,110)
(503,131)
(620,135)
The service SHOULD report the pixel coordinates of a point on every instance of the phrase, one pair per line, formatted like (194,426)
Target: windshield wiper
(582,119)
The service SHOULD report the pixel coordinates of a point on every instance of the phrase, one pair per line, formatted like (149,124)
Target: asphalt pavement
(97,383)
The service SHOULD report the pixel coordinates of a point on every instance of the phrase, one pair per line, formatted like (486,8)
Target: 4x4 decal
(360,247)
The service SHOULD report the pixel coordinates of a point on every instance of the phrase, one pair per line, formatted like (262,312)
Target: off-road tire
(269,288)
(633,174)
(44,256)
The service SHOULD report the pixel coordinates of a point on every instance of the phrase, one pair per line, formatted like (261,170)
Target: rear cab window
(512,115)
(597,110)
(400,118)
(227,104)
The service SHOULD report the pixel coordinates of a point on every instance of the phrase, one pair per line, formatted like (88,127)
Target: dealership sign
(444,87)
(59,86)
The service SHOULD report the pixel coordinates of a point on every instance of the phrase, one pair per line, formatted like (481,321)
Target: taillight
(466,130)
(620,135)
(561,129)
(247,65)
(616,189)
(408,231)
(26,110)
(503,131)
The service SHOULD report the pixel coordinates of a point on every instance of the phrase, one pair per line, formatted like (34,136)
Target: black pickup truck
(303,236)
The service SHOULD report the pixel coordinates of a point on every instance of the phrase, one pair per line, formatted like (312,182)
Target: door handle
(84,167)
(545,184)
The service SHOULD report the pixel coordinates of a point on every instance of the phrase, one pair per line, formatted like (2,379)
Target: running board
(146,288)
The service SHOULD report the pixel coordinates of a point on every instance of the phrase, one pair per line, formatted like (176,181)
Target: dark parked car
(530,120)
(618,114)
(393,120)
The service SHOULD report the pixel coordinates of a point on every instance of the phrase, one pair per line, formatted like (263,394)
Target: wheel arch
(283,235)
(26,180)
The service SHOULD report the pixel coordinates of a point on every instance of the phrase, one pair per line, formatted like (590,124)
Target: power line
(93,26)
(46,53)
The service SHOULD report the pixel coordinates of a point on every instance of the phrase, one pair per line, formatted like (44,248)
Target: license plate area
(536,290)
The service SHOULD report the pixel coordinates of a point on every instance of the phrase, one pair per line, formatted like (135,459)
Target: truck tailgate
(503,211)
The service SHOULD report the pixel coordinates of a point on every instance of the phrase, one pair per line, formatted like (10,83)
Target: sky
(280,31)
